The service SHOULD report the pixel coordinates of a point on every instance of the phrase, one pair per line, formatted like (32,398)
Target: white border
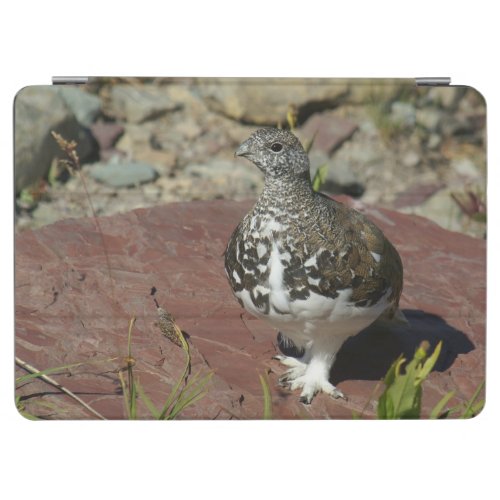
(256,38)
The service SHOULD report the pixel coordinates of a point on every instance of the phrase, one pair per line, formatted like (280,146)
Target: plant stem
(99,229)
(51,381)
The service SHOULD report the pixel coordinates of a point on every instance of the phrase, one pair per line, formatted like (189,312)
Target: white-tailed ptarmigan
(315,269)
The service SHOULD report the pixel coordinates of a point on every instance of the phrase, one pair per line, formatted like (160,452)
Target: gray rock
(363,150)
(368,127)
(458,124)
(38,110)
(266,102)
(138,104)
(219,178)
(46,213)
(429,118)
(434,141)
(216,168)
(411,159)
(106,134)
(403,113)
(368,91)
(85,106)
(120,174)
(340,179)
(328,130)
(441,209)
(465,167)
(446,97)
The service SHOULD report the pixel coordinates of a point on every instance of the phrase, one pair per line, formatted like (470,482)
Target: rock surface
(123,174)
(38,111)
(85,106)
(328,131)
(69,310)
(380,139)
(252,101)
(137,105)
(106,134)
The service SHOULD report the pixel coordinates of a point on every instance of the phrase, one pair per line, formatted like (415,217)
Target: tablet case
(128,190)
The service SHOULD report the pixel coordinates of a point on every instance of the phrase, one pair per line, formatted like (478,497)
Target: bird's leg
(315,379)
(313,373)
(297,367)
(296,361)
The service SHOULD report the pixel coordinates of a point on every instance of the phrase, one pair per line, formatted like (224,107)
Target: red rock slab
(70,308)
(417,194)
(328,130)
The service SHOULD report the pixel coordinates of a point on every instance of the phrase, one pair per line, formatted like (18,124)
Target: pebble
(339,178)
(411,159)
(123,174)
(215,169)
(85,106)
(106,134)
(441,208)
(434,141)
(443,96)
(465,167)
(140,104)
(403,113)
(429,118)
(327,130)
(184,136)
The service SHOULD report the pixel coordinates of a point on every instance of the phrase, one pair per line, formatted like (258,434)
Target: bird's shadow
(369,355)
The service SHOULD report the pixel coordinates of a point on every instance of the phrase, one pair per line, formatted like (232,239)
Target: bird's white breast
(303,319)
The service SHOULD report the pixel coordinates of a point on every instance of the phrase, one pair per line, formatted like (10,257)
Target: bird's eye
(276,147)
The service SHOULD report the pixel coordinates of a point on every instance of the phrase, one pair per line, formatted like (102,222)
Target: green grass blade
(132,393)
(155,413)
(291,117)
(59,386)
(187,398)
(438,409)
(173,394)
(429,364)
(179,408)
(268,411)
(197,384)
(129,340)
(184,403)
(132,388)
(48,371)
(468,411)
(125,393)
(476,409)
(320,177)
(308,146)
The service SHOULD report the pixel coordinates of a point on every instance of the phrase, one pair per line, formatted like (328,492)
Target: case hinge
(69,80)
(433,80)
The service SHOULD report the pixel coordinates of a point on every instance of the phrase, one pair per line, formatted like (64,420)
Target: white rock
(434,141)
(465,167)
(411,159)
(403,113)
(429,118)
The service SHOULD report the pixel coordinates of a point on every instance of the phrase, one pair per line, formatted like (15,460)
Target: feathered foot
(311,377)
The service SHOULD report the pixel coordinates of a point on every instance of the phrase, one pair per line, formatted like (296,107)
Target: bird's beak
(244,149)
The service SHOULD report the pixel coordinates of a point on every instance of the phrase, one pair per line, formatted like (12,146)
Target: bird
(314,269)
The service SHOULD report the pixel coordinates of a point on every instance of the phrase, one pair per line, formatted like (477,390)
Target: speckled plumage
(317,270)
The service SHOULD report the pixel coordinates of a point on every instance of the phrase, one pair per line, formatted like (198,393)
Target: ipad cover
(217,248)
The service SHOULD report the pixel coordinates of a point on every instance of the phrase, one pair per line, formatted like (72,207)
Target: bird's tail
(392,316)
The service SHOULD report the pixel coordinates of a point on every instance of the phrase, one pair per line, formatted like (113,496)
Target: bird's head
(278,153)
